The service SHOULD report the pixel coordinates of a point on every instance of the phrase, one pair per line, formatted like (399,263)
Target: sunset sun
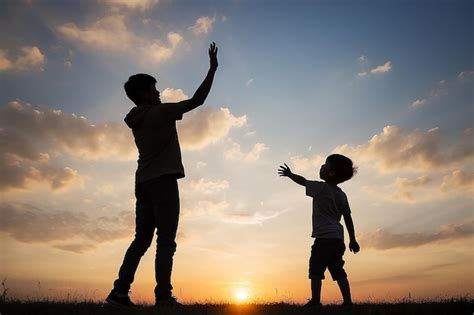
(241,295)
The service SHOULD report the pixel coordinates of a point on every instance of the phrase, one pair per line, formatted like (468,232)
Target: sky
(387,83)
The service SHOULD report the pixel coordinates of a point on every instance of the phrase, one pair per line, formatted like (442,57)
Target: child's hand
(354,247)
(284,170)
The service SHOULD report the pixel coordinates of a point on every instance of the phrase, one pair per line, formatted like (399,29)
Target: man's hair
(342,167)
(135,84)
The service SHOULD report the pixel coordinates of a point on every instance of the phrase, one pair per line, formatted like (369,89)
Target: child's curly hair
(342,167)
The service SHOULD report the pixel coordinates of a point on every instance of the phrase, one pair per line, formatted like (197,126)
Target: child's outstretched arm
(284,170)
(353,245)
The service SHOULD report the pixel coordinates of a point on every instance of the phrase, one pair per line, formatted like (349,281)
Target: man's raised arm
(201,93)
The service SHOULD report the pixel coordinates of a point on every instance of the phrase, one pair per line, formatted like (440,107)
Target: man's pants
(157,207)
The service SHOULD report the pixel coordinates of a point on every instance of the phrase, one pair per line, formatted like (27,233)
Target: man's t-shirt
(154,130)
(329,204)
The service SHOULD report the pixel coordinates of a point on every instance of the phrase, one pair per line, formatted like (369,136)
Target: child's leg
(345,289)
(317,266)
(336,267)
(316,290)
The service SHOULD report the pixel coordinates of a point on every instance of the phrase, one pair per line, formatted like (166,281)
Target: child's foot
(313,304)
(167,301)
(119,299)
(346,306)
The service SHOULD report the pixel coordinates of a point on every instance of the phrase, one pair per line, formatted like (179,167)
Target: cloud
(67,230)
(465,75)
(418,103)
(172,95)
(203,25)
(249,215)
(403,183)
(5,63)
(437,91)
(221,210)
(396,148)
(382,239)
(30,59)
(209,187)
(204,126)
(204,207)
(458,180)
(77,248)
(59,132)
(209,199)
(234,152)
(404,188)
(32,135)
(141,5)
(256,151)
(77,136)
(386,67)
(156,51)
(200,165)
(111,34)
(249,82)
(22,164)
(362,61)
(19,172)
(408,276)
(424,188)
(302,164)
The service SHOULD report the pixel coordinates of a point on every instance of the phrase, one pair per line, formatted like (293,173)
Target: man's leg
(144,228)
(166,209)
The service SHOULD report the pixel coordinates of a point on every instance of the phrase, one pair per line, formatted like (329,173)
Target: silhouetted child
(156,189)
(329,204)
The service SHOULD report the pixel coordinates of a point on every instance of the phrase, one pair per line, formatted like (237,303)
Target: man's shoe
(313,304)
(167,301)
(119,300)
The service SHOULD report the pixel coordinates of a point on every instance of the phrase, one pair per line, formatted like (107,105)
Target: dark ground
(454,307)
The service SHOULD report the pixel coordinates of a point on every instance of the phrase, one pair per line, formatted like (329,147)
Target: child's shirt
(156,137)
(329,204)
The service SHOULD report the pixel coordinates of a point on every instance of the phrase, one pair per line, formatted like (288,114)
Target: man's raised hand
(284,170)
(213,56)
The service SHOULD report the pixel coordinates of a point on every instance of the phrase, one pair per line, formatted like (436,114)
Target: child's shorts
(327,253)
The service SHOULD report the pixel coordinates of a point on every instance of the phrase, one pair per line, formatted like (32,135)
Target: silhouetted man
(156,189)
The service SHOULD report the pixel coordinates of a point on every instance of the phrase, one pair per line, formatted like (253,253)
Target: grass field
(451,306)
